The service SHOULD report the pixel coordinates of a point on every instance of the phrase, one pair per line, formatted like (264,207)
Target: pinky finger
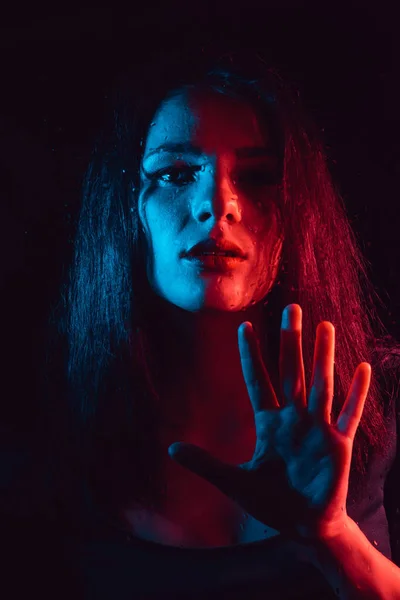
(353,407)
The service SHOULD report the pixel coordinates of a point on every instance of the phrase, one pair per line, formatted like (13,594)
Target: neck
(197,357)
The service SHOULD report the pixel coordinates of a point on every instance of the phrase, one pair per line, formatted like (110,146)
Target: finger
(352,409)
(258,383)
(322,386)
(291,367)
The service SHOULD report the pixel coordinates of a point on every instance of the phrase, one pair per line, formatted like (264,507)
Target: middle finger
(291,367)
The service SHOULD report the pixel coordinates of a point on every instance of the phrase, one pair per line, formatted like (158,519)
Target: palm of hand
(294,473)
(297,480)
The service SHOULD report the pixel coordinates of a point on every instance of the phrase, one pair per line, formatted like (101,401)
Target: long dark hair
(98,324)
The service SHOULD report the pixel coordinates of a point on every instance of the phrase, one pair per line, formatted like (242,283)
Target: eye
(179,176)
(255,177)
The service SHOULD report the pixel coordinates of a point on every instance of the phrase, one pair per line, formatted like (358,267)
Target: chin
(221,305)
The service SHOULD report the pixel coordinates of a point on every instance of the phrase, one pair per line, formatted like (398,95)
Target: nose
(220,204)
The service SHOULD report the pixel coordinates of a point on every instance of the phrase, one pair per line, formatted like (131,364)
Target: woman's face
(208,171)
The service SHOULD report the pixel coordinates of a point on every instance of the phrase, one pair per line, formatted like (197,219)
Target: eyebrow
(182,147)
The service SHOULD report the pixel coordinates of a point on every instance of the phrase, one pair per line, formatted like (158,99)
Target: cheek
(161,223)
(161,209)
(151,219)
(266,268)
(260,215)
(153,216)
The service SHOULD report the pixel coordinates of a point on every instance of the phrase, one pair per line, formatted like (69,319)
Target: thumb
(200,462)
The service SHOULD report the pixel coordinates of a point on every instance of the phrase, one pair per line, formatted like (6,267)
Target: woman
(210,156)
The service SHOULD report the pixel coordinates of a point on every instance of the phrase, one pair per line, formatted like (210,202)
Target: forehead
(207,119)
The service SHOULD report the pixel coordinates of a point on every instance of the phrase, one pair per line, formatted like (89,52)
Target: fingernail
(289,318)
(246,327)
(286,319)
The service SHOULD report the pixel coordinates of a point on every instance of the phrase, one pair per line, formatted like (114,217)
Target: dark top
(92,558)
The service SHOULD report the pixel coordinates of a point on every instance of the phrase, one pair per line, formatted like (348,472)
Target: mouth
(218,263)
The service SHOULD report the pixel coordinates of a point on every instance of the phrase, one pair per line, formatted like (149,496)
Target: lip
(218,264)
(218,244)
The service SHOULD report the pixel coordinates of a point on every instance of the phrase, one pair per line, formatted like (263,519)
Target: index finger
(261,393)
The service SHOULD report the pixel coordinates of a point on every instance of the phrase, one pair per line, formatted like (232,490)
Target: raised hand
(297,480)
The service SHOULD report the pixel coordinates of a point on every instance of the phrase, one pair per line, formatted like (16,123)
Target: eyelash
(156,176)
(266,178)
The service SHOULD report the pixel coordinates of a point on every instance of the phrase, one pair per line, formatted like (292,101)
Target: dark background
(56,67)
